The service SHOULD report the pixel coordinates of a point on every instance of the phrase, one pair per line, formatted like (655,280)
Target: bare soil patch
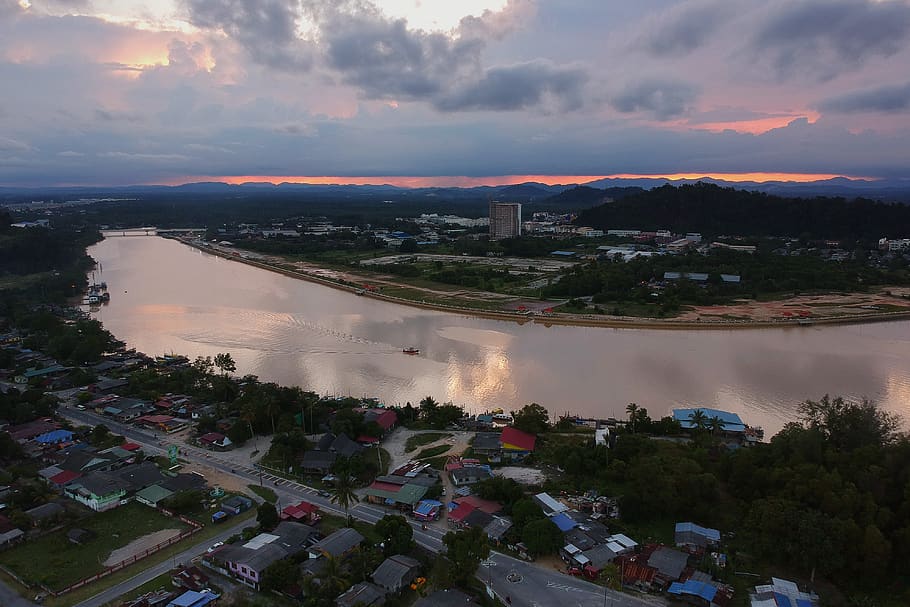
(140,545)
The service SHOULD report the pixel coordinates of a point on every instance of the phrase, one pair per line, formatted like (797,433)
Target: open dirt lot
(140,545)
(525,476)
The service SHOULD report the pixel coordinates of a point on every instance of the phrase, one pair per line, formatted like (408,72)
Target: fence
(195,527)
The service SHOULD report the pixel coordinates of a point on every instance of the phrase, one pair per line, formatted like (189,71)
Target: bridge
(147,231)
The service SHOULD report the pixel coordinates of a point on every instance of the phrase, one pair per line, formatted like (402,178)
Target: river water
(168,297)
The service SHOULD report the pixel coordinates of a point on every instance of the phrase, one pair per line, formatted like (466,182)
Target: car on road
(214,547)
(324,493)
(80,407)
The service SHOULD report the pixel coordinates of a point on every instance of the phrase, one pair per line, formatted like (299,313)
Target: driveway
(11,598)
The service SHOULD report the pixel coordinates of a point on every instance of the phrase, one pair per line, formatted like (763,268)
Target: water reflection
(167,297)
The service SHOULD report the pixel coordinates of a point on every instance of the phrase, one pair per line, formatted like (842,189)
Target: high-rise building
(505,220)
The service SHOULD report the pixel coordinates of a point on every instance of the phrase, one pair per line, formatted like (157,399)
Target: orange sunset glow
(461,181)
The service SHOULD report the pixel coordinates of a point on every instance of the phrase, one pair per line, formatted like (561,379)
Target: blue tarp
(426,507)
(54,436)
(700,589)
(782,600)
(563,522)
(803,603)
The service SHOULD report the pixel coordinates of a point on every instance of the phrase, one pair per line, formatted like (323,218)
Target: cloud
(663,100)
(70,154)
(825,37)
(267,29)
(518,87)
(685,27)
(889,99)
(12,145)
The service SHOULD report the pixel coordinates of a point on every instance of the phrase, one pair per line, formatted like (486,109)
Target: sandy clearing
(140,545)
(525,476)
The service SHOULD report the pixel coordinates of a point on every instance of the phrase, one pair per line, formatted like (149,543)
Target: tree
(698,419)
(225,362)
(532,418)
(408,245)
(632,410)
(267,516)
(280,575)
(715,424)
(611,576)
(344,494)
(330,582)
(542,536)
(466,549)
(396,533)
(848,425)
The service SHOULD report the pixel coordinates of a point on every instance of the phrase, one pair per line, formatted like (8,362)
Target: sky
(117,92)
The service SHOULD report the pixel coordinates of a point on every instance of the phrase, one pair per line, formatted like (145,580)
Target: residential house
(690,534)
(215,440)
(669,564)
(468,475)
(318,462)
(337,545)
(137,476)
(153,496)
(396,572)
(516,445)
(363,594)
(247,561)
(487,444)
(550,506)
(497,528)
(386,419)
(304,512)
(391,494)
(100,491)
(30,430)
(45,513)
(11,537)
(191,598)
(782,593)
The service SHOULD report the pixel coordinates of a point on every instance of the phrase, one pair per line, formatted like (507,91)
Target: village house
(247,561)
(338,545)
(363,594)
(396,572)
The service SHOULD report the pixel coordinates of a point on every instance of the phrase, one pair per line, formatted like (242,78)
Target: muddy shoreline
(579,320)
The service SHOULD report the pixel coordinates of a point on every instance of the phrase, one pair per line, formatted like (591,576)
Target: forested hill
(583,197)
(713,210)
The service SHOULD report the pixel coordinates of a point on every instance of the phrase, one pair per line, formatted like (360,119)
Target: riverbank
(711,322)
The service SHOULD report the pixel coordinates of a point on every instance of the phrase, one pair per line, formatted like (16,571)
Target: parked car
(214,547)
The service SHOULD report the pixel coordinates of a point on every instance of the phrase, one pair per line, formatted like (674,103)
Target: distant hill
(584,197)
(713,210)
(524,192)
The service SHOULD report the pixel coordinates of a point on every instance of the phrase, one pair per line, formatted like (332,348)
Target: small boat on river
(411,350)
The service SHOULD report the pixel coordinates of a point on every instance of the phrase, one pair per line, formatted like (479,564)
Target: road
(524,584)
(11,598)
(151,573)
(538,586)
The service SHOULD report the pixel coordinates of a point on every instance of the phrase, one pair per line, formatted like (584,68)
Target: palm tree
(632,410)
(344,494)
(698,419)
(716,424)
(332,580)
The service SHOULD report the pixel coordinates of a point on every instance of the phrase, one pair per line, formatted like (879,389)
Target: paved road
(538,586)
(528,585)
(151,573)
(11,598)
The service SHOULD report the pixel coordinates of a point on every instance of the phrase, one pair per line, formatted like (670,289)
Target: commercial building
(505,220)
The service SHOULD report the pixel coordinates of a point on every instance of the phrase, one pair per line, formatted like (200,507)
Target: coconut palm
(716,424)
(632,410)
(699,419)
(344,494)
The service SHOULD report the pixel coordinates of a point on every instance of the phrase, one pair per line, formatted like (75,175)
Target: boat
(411,350)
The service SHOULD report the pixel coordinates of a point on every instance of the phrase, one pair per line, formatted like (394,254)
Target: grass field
(419,440)
(432,452)
(264,492)
(57,563)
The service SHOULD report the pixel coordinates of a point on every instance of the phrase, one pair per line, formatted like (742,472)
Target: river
(169,297)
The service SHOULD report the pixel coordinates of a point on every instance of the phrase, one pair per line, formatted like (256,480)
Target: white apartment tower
(505,220)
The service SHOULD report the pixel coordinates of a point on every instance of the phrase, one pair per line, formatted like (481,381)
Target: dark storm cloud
(385,59)
(267,29)
(889,99)
(517,87)
(829,36)
(685,28)
(662,99)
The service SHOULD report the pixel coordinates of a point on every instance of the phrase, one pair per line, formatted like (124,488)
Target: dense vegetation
(764,273)
(828,496)
(714,210)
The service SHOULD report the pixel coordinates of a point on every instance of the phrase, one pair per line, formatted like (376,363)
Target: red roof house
(304,512)
(513,439)
(62,478)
